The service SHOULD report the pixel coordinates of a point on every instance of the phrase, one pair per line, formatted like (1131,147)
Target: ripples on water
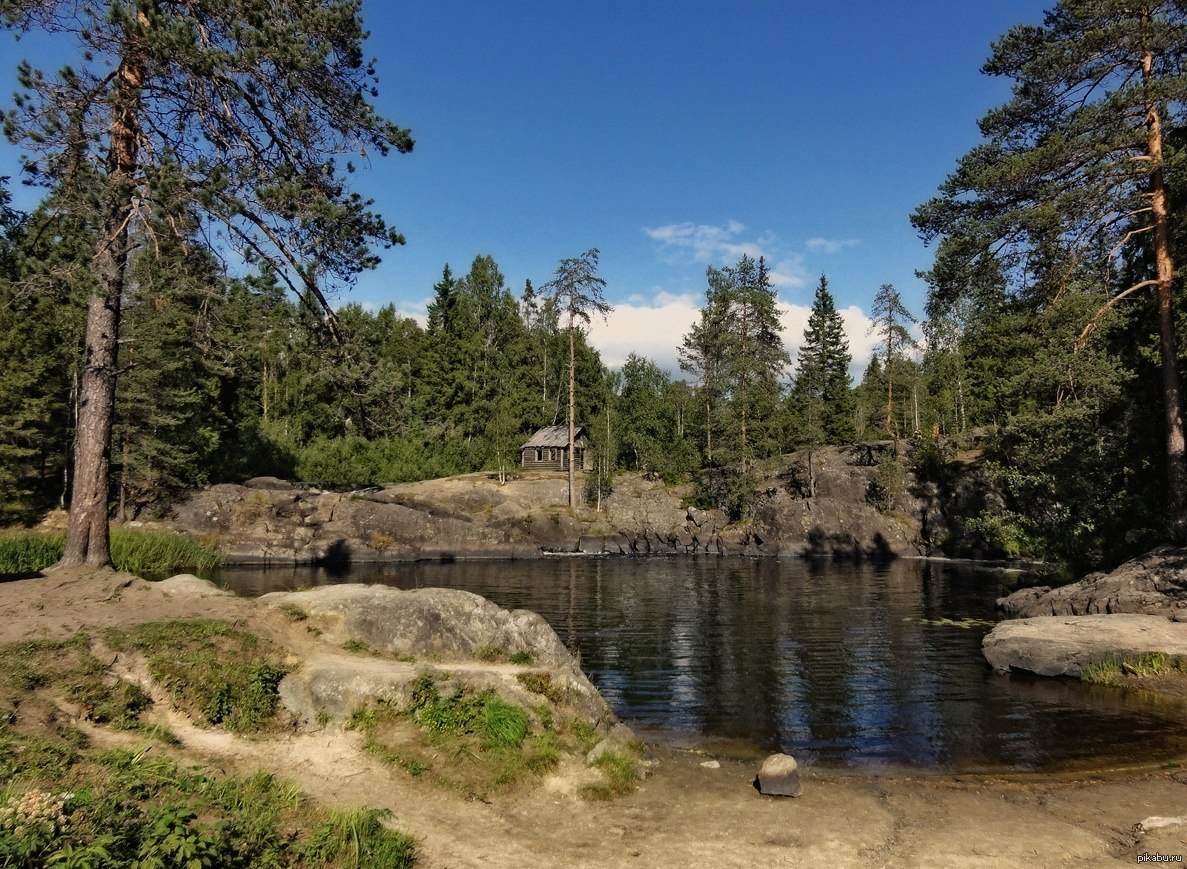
(834,663)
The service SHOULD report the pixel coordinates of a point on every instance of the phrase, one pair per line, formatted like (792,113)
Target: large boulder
(445,623)
(1154,584)
(1063,645)
(438,630)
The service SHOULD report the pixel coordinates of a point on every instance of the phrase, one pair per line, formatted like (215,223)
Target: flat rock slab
(1062,645)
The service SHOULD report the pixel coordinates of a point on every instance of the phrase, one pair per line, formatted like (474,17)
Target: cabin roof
(553,436)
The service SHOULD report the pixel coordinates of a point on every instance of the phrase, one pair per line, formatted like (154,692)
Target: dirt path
(683,814)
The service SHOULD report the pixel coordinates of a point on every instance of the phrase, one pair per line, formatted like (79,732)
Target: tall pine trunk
(87,534)
(572,408)
(1176,472)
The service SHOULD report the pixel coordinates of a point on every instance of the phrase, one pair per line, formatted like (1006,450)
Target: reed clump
(134,550)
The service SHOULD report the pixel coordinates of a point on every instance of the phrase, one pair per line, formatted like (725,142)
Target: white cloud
(788,272)
(705,243)
(829,245)
(653,329)
(656,328)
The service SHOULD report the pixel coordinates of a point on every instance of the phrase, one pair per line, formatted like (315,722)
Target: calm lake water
(842,665)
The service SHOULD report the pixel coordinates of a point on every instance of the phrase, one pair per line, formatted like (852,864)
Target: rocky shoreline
(267,520)
(1136,610)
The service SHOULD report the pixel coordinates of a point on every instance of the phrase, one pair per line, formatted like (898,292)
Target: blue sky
(670,136)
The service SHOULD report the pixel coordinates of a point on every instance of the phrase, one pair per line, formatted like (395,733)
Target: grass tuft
(621,775)
(135,550)
(469,740)
(1115,670)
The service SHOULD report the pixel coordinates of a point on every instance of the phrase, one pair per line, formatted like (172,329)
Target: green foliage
(44,269)
(1052,239)
(727,489)
(735,351)
(542,684)
(146,553)
(69,667)
(28,552)
(504,725)
(121,808)
(64,804)
(227,675)
(168,423)
(470,740)
(888,484)
(152,553)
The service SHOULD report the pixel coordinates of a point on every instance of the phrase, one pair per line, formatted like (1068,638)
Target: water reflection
(836,663)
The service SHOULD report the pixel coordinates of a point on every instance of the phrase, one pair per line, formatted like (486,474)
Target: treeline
(224,378)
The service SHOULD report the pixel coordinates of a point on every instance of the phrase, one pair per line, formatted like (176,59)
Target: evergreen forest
(1047,355)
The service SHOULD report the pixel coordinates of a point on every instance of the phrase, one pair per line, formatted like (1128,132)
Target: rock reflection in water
(838,664)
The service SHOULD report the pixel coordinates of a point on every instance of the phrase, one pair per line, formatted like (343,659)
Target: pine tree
(890,322)
(577,290)
(736,352)
(756,360)
(703,353)
(238,110)
(1072,180)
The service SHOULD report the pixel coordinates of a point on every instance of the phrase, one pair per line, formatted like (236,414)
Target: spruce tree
(167,426)
(822,387)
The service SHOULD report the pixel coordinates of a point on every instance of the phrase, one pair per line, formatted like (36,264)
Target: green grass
(490,654)
(1115,670)
(226,675)
(135,550)
(69,668)
(124,808)
(471,741)
(63,802)
(542,684)
(293,612)
(621,775)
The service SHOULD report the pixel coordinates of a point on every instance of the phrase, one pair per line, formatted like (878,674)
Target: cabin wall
(551,458)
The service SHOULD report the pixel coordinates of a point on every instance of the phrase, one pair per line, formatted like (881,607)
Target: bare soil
(685,813)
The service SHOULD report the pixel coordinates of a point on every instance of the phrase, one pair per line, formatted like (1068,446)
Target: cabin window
(539,454)
(552,454)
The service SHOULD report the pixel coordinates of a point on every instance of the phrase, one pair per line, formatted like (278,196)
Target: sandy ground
(684,814)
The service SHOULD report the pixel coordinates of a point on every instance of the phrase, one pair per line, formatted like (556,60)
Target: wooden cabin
(548,449)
